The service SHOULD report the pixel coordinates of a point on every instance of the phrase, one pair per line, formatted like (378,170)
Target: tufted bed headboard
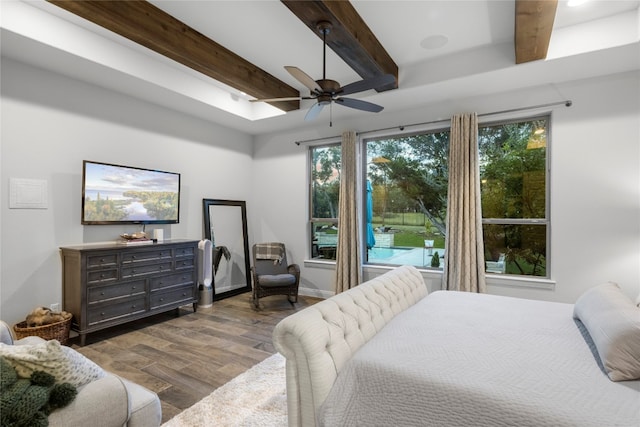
(319,340)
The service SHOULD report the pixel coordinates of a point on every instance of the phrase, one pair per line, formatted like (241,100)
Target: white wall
(50,123)
(595,185)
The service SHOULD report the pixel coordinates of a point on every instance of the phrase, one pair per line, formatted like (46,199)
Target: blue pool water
(418,257)
(386,253)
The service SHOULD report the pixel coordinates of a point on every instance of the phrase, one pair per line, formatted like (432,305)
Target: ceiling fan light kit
(326,91)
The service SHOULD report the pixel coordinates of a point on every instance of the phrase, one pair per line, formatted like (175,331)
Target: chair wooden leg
(254,297)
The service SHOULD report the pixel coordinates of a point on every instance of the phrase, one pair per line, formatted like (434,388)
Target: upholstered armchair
(104,399)
(271,273)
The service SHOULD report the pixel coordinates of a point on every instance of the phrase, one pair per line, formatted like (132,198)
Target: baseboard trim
(318,293)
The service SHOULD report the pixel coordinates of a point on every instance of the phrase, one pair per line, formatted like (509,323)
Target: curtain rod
(566,103)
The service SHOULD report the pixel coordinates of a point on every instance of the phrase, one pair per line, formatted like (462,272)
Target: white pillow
(613,322)
(64,363)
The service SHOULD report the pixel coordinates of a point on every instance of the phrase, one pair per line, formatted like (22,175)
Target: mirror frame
(206,204)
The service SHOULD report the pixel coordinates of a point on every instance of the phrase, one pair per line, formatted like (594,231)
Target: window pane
(516,249)
(324,240)
(325,190)
(325,181)
(512,169)
(407,178)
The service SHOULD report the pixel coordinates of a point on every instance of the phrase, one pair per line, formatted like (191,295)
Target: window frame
(546,221)
(311,220)
(433,127)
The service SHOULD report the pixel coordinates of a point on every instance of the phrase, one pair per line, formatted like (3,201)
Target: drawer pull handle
(101,259)
(133,288)
(102,276)
(102,314)
(161,299)
(101,294)
(133,306)
(184,294)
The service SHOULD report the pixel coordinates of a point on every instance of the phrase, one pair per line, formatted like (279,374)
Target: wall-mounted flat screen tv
(115,194)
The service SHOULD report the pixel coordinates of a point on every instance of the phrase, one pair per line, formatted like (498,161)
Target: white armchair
(109,401)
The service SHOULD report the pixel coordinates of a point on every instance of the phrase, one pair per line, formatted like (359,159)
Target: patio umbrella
(371,240)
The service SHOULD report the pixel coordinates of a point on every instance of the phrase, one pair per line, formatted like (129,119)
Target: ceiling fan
(327,91)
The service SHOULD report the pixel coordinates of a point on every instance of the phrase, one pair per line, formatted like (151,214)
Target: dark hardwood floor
(184,357)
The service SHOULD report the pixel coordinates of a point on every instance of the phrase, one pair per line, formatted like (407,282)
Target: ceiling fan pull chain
(331,114)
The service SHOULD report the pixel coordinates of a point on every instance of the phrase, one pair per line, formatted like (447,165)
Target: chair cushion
(267,280)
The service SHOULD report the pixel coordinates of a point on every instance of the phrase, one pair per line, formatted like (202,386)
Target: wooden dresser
(108,284)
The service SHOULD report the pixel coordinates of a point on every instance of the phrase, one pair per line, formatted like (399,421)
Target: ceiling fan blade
(303,78)
(314,111)
(360,105)
(367,84)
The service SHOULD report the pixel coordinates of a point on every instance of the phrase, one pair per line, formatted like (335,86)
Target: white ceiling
(597,38)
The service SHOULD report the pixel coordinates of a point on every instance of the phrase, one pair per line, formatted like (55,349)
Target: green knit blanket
(27,402)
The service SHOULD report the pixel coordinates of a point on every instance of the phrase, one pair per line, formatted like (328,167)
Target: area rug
(255,398)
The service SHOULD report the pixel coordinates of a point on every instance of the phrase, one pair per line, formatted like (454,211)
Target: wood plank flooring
(184,357)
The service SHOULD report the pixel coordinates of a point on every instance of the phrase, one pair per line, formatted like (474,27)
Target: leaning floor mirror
(225,224)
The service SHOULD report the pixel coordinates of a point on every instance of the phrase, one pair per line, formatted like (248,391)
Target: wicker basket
(54,331)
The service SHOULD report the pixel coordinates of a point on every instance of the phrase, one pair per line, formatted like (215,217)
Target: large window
(513,176)
(407,203)
(324,190)
(406,181)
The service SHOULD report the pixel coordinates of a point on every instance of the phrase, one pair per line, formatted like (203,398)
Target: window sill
(520,281)
(320,263)
(509,281)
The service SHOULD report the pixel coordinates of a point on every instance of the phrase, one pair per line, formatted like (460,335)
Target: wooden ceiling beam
(534,22)
(350,37)
(149,26)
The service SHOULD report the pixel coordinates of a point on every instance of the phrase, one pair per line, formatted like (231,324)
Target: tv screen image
(115,194)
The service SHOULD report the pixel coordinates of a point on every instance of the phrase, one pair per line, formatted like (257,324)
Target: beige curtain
(464,260)
(348,253)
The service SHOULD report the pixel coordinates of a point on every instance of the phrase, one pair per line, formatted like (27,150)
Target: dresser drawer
(186,251)
(102,276)
(172,297)
(185,278)
(142,270)
(182,263)
(101,261)
(113,311)
(142,256)
(102,293)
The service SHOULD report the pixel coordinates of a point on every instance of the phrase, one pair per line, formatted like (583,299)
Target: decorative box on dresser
(104,285)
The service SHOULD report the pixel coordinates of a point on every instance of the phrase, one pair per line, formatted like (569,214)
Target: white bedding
(462,359)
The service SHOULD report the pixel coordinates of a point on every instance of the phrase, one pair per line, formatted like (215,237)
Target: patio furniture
(497,267)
